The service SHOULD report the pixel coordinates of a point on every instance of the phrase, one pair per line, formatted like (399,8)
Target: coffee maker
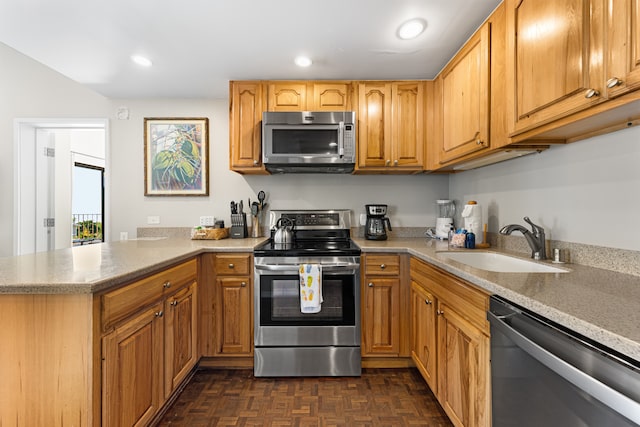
(375,228)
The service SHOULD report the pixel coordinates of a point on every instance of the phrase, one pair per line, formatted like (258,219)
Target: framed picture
(176,157)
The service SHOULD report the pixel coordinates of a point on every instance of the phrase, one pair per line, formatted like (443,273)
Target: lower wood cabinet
(234,316)
(450,343)
(147,354)
(384,322)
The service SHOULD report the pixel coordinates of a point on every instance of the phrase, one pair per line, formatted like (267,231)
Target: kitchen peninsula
(51,312)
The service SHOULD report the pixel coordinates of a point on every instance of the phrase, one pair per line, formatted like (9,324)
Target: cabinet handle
(159,313)
(174,303)
(166,284)
(591,93)
(439,312)
(370,284)
(388,162)
(243,284)
(613,82)
(383,266)
(231,266)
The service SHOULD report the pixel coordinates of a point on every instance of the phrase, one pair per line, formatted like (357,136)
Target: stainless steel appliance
(309,142)
(377,222)
(287,341)
(543,374)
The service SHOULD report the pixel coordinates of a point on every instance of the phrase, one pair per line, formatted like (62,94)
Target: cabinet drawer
(233,264)
(382,265)
(118,304)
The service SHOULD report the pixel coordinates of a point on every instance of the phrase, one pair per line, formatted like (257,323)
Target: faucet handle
(536,228)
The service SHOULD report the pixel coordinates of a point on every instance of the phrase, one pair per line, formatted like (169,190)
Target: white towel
(310,288)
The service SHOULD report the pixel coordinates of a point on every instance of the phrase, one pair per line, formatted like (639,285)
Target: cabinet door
(331,97)
(287,96)
(234,316)
(462,383)
(424,333)
(374,124)
(466,100)
(245,127)
(558,58)
(381,323)
(181,334)
(623,48)
(132,384)
(408,125)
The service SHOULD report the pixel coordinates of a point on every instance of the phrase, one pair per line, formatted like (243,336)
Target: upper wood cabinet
(466,100)
(309,96)
(246,104)
(467,106)
(623,46)
(556,60)
(391,127)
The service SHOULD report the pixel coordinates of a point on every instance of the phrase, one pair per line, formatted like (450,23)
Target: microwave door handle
(341,139)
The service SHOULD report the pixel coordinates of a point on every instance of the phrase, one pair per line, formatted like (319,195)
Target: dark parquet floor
(380,397)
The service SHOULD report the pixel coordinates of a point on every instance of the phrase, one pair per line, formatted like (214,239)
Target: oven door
(279,320)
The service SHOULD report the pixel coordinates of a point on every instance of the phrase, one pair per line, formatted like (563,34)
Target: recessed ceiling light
(303,61)
(141,60)
(412,28)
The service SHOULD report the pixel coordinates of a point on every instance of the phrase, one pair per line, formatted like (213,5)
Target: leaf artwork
(176,154)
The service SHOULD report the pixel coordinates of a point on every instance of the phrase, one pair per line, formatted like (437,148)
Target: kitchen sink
(492,261)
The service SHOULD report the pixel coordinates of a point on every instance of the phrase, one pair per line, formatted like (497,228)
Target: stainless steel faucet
(535,237)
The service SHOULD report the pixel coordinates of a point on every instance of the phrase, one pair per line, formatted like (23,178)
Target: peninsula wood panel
(47,371)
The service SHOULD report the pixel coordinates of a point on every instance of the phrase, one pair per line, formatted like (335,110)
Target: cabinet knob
(166,284)
(232,266)
(395,162)
(439,312)
(591,93)
(174,303)
(613,82)
(383,266)
(159,313)
(370,284)
(255,162)
(428,302)
(243,284)
(388,162)
(479,141)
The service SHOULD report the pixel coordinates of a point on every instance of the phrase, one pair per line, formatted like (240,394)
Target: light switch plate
(154,219)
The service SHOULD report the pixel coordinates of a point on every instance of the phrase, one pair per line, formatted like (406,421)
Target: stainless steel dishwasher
(543,374)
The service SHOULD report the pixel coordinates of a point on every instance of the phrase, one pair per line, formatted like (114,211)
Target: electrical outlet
(154,219)
(124,235)
(207,221)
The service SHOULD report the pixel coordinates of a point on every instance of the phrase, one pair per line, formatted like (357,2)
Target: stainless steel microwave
(309,142)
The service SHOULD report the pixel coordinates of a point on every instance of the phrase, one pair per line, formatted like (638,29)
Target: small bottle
(450,235)
(470,241)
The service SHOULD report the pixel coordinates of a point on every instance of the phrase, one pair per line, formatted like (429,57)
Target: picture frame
(176,156)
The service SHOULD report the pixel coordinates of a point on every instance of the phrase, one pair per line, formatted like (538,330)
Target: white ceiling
(197,46)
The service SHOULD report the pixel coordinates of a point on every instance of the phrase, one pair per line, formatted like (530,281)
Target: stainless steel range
(289,339)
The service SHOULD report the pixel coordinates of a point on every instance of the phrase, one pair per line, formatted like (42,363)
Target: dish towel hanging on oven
(310,288)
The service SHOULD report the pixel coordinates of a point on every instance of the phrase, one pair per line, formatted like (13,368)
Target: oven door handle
(293,268)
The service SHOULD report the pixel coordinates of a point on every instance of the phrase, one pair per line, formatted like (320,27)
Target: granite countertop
(93,268)
(599,304)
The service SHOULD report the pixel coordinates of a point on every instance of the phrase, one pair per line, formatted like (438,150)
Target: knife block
(239,226)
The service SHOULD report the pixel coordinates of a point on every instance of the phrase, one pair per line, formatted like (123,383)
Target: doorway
(46,152)
(87,204)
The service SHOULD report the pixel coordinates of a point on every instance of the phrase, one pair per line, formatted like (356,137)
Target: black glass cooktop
(308,247)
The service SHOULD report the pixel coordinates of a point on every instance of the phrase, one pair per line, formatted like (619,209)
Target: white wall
(29,89)
(586,192)
(410,198)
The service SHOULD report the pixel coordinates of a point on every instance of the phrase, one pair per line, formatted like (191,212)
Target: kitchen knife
(241,209)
